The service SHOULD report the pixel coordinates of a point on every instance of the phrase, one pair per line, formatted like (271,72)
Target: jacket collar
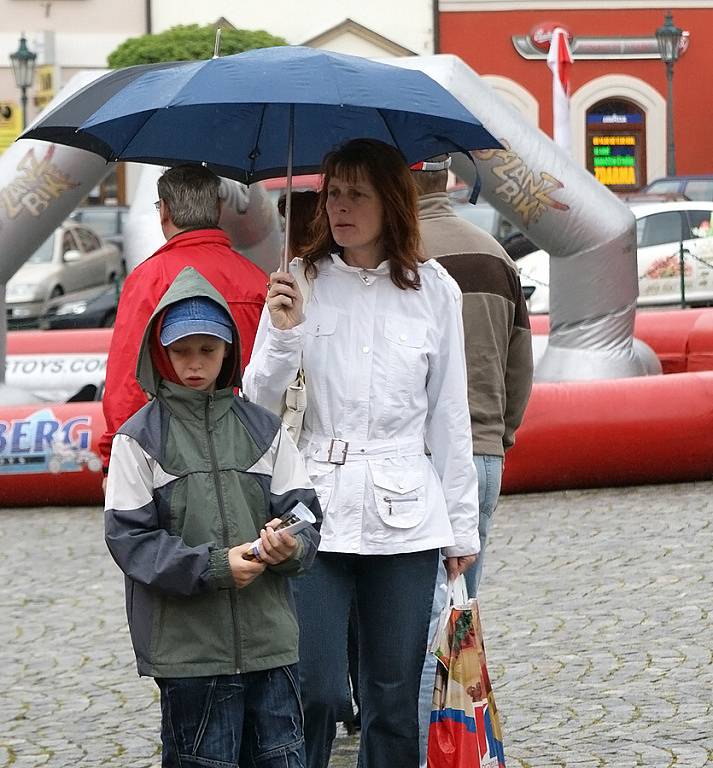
(382,269)
(193,405)
(435,204)
(204,236)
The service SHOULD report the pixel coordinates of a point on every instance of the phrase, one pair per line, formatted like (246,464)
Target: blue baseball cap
(196,315)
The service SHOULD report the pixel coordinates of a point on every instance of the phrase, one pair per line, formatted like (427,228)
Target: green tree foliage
(188,43)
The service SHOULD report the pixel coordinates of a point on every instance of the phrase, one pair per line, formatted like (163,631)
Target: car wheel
(56,291)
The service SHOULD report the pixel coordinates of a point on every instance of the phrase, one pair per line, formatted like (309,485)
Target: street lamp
(23,69)
(668,38)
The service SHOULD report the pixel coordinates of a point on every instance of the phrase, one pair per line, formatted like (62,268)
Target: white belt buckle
(337,447)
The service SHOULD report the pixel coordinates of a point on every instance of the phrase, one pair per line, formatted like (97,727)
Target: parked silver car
(72,258)
(108,221)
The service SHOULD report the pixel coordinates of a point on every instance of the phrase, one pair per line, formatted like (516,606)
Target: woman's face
(355,212)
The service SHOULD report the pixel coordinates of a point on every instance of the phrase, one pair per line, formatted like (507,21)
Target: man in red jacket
(189,207)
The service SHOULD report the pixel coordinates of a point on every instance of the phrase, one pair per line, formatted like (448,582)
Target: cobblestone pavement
(596,607)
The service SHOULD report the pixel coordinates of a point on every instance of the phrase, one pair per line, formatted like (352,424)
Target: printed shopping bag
(465,728)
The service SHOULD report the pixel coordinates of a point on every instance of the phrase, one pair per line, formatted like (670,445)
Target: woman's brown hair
(386,170)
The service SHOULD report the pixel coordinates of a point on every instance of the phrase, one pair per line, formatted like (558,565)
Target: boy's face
(197,360)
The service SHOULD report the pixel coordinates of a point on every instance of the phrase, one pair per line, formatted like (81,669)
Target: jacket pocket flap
(407,333)
(398,480)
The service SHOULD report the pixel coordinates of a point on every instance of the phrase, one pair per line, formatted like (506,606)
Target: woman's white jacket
(385,372)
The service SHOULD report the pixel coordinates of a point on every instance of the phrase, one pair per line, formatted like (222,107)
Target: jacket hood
(153,364)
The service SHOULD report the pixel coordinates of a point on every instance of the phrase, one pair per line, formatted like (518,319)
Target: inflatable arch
(594,419)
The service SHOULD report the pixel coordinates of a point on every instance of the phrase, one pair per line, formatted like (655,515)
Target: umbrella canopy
(237,114)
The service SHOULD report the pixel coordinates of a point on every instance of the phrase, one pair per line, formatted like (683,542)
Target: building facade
(618,102)
(618,80)
(407,23)
(67,36)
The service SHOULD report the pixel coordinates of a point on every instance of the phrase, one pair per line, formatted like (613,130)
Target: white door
(93,258)
(71,279)
(659,237)
(699,246)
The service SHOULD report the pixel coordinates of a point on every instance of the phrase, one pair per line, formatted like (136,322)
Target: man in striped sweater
(498,344)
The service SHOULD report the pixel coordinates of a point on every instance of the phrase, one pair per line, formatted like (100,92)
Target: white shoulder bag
(295,401)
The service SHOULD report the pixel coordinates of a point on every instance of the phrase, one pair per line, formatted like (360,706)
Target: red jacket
(208,250)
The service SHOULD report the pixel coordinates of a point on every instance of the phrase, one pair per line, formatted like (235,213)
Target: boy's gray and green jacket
(191,475)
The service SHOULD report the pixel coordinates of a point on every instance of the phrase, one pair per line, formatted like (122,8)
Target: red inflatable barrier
(653,429)
(574,434)
(39,342)
(681,338)
(49,456)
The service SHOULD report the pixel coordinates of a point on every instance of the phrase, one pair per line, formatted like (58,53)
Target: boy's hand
(244,571)
(276,546)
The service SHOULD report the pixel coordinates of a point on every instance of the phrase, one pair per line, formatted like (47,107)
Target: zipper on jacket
(392,500)
(209,419)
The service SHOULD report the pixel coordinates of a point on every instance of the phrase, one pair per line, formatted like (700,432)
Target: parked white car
(72,258)
(663,232)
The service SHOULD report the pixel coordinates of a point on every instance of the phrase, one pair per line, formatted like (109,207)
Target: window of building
(616,144)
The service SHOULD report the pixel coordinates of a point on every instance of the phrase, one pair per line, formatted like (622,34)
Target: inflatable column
(589,232)
(40,184)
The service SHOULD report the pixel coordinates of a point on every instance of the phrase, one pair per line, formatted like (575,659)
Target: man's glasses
(157,205)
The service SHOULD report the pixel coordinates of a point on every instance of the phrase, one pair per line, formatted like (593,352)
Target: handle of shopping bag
(456,594)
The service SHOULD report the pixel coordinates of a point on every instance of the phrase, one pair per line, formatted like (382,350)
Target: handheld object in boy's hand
(294,521)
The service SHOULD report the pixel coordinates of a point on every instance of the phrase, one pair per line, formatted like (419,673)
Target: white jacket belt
(385,371)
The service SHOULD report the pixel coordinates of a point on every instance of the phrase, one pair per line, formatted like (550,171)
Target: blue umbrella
(263,113)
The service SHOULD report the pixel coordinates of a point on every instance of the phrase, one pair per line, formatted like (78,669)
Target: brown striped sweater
(498,344)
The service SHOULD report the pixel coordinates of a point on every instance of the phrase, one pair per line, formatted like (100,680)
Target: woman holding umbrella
(381,345)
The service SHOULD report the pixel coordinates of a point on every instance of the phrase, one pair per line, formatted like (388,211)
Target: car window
(88,239)
(658,228)
(699,189)
(700,223)
(660,187)
(43,255)
(68,242)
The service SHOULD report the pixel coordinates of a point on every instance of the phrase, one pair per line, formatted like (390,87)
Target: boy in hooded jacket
(196,476)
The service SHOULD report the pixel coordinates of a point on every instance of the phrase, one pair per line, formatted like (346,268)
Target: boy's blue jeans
(254,719)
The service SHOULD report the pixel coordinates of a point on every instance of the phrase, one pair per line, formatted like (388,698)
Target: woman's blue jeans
(393,596)
(254,719)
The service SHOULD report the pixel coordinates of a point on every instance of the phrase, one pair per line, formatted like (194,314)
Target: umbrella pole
(284,262)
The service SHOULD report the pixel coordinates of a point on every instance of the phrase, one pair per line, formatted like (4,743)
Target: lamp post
(23,69)
(668,38)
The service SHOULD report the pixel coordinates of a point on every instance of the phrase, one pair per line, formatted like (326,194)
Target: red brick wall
(483,40)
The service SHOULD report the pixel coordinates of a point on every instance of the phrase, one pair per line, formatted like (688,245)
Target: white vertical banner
(559,60)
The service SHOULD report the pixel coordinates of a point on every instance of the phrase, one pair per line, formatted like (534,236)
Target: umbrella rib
(391,133)
(255,151)
(117,155)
